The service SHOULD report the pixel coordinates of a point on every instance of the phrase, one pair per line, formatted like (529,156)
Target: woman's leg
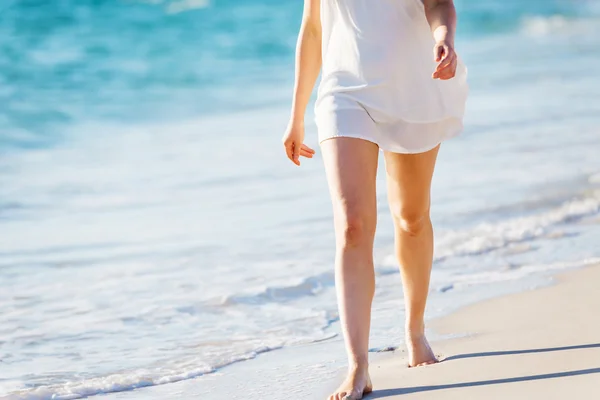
(409,182)
(351,166)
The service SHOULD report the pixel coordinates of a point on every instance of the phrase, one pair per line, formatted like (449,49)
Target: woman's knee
(412,221)
(355,227)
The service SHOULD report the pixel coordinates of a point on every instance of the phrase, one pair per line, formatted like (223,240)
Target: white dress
(376,79)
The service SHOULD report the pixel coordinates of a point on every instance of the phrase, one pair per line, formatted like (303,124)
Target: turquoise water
(152,230)
(63,62)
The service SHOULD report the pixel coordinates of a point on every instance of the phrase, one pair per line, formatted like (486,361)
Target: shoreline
(467,335)
(507,351)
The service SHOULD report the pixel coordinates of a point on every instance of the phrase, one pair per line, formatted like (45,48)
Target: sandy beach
(542,344)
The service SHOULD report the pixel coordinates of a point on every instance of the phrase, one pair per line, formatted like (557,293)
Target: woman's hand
(447,60)
(293,142)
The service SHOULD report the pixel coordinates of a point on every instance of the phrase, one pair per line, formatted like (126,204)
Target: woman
(381,89)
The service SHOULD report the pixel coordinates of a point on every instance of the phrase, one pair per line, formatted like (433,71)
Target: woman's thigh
(409,184)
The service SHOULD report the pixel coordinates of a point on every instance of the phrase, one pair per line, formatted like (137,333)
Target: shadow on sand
(380,394)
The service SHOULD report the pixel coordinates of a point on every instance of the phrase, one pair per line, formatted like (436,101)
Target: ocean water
(152,231)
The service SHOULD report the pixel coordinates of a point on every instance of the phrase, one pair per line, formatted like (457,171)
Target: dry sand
(542,344)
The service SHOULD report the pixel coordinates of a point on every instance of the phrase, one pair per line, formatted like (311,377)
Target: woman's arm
(308,65)
(441,16)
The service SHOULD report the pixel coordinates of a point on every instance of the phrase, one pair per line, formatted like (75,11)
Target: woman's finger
(446,69)
(446,61)
(306,148)
(440,52)
(306,154)
(290,152)
(450,63)
(448,73)
(447,76)
(296,151)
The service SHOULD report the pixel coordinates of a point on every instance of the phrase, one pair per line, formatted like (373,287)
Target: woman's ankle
(358,363)
(415,329)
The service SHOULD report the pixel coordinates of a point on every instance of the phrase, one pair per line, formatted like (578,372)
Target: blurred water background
(152,231)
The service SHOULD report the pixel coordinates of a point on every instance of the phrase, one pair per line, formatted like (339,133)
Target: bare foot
(356,384)
(419,351)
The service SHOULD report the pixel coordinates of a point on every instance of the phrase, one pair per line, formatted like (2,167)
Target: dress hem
(452,133)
